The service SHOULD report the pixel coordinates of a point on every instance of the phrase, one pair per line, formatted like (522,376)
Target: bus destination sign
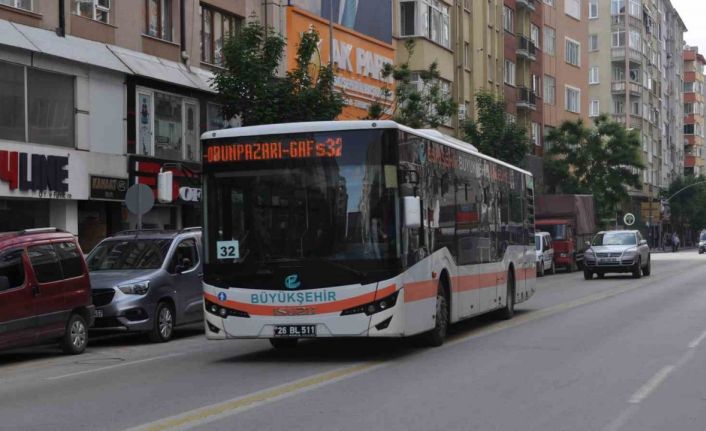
(331,147)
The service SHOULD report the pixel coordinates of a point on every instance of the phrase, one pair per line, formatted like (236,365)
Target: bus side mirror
(412,211)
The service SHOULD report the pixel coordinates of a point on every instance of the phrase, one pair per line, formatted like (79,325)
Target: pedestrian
(675,242)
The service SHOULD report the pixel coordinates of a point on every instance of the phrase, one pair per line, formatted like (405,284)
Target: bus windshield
(310,211)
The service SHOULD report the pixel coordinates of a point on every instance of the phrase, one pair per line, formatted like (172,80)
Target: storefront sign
(108,188)
(186,183)
(35,172)
(359,57)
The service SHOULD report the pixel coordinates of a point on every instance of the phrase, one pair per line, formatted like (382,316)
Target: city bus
(359,229)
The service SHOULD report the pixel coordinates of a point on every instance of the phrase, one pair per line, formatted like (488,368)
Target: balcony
(526,98)
(635,120)
(618,21)
(526,48)
(618,87)
(529,4)
(618,54)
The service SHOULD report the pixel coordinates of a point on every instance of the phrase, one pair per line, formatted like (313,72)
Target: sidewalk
(669,249)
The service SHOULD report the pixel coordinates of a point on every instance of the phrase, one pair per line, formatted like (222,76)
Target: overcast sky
(693,12)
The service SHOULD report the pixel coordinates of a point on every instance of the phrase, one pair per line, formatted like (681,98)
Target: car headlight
(702,243)
(588,252)
(137,288)
(631,252)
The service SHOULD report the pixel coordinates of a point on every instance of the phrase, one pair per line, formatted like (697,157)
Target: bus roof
(324,126)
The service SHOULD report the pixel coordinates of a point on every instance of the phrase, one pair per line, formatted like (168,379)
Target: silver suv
(147,281)
(617,251)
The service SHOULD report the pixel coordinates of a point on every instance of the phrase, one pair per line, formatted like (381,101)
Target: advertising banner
(370,17)
(358,58)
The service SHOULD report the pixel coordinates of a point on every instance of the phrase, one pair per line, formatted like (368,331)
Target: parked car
(545,253)
(617,251)
(45,293)
(702,242)
(148,281)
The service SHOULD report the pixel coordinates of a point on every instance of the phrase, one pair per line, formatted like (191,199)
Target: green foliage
(492,134)
(599,160)
(249,85)
(412,106)
(689,206)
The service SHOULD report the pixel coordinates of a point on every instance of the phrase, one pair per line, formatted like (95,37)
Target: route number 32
(228,250)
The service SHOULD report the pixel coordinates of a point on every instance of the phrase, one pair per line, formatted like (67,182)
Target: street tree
(250,87)
(425,106)
(602,160)
(493,134)
(688,204)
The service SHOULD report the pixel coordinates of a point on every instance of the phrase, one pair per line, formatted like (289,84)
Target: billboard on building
(359,59)
(370,17)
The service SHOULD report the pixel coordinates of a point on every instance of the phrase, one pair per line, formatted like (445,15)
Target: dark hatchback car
(148,281)
(44,290)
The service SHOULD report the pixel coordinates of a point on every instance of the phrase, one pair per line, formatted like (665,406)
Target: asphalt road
(605,355)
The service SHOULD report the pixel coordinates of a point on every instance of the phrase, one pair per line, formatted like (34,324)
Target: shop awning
(164,70)
(11,36)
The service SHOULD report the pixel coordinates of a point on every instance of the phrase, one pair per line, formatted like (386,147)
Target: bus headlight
(223,312)
(373,307)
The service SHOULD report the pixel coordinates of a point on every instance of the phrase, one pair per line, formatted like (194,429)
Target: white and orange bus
(359,229)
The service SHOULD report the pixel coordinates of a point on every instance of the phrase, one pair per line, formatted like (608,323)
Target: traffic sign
(139,200)
(629,219)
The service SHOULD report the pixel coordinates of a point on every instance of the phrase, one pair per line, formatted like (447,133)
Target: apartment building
(694,111)
(465,38)
(97,95)
(634,77)
(567,71)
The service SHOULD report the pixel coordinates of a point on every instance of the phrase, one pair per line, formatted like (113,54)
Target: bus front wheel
(435,337)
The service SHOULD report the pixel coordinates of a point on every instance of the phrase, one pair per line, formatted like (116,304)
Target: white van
(545,253)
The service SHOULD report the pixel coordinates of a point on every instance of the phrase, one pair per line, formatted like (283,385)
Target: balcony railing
(526,48)
(526,98)
(529,4)
(619,87)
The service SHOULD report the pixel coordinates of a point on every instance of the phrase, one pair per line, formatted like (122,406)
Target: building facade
(101,95)
(566,63)
(694,111)
(634,77)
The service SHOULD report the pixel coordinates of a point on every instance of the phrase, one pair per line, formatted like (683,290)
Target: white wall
(106,132)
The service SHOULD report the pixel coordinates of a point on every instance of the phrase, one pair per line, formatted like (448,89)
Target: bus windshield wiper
(341,266)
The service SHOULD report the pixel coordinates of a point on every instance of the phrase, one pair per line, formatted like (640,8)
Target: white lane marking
(651,385)
(695,343)
(214,412)
(110,367)
(621,420)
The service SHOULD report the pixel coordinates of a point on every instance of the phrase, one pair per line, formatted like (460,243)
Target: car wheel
(163,326)
(75,337)
(507,312)
(637,270)
(648,268)
(553,270)
(587,275)
(701,252)
(436,336)
(284,343)
(601,275)
(541,269)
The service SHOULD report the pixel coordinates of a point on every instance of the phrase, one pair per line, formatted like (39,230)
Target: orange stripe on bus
(419,290)
(326,307)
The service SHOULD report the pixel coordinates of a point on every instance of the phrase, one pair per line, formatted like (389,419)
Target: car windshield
(557,231)
(615,238)
(538,243)
(128,254)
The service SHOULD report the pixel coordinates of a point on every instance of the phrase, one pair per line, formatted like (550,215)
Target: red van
(45,292)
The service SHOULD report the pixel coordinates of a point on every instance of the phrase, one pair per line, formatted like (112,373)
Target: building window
(688,108)
(216,27)
(19,4)
(509,72)
(593,75)
(573,8)
(426,18)
(467,55)
(635,40)
(536,84)
(592,9)
(168,126)
(536,134)
(636,8)
(617,7)
(573,100)
(549,40)
(12,108)
(549,90)
(159,18)
(508,19)
(534,35)
(573,52)
(618,39)
(49,104)
(98,10)
(594,110)
(688,129)
(593,42)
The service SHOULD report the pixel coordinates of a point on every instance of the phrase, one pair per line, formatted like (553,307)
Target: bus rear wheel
(508,311)
(284,343)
